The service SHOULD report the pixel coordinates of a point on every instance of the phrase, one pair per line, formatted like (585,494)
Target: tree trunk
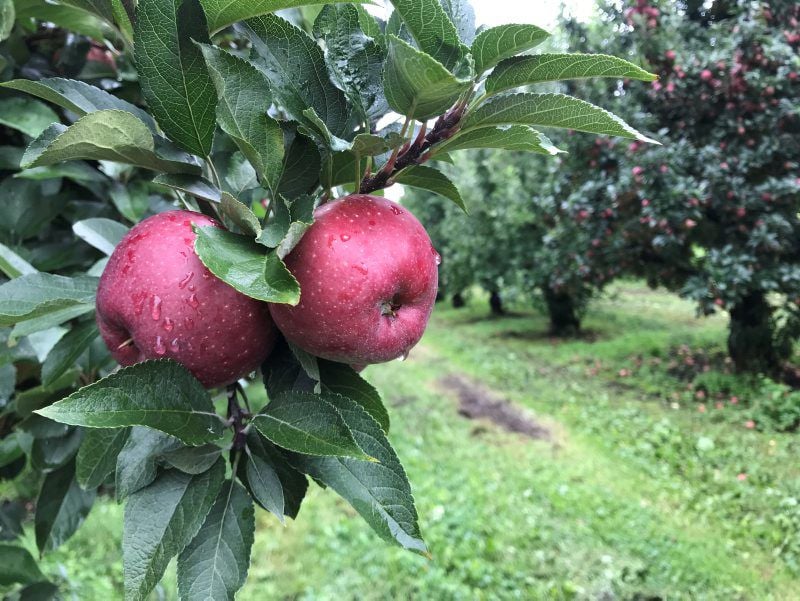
(458,301)
(561,308)
(496,303)
(751,336)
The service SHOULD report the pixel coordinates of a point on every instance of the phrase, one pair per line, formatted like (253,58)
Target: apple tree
(713,214)
(172,216)
(538,229)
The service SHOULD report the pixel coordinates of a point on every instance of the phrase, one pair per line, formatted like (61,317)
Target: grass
(643,490)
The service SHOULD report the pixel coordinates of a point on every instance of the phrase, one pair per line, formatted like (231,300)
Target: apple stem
(416,152)
(126,343)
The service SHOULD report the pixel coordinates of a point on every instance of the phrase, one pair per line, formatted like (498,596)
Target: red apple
(157,300)
(368,275)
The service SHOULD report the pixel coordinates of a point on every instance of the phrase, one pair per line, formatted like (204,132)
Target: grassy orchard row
(711,215)
(213,107)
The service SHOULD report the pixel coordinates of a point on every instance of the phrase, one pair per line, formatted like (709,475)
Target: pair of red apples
(367,271)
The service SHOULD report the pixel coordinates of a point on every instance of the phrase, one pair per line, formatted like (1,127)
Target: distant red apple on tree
(368,274)
(157,300)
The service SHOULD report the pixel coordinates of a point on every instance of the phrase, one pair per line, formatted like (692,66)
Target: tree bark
(564,320)
(496,303)
(458,301)
(751,336)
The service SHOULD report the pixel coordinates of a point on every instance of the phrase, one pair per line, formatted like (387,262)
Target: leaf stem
(236,417)
(213,171)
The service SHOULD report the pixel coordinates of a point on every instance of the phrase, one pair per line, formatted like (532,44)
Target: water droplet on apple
(186,279)
(193,302)
(344,237)
(174,347)
(436,256)
(397,211)
(192,288)
(155,312)
(159,348)
(188,323)
(138,304)
(168,324)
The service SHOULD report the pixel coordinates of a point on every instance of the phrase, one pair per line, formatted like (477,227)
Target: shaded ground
(478,402)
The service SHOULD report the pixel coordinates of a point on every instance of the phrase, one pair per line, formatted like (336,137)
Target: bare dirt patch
(478,402)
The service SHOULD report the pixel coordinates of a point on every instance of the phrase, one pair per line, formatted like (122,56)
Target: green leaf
(172,72)
(131,200)
(355,60)
(214,565)
(11,447)
(50,319)
(6,18)
(283,372)
(380,492)
(38,591)
(317,128)
(16,198)
(344,380)
(429,178)
(67,350)
(193,460)
(372,145)
(61,508)
(497,43)
(19,566)
(189,184)
(78,97)
(101,8)
(301,167)
(159,394)
(97,457)
(295,66)
(66,17)
(137,461)
(293,484)
(241,215)
(104,234)
(77,171)
(288,223)
(520,71)
(307,423)
(159,523)
(507,137)
(432,30)
(54,452)
(103,136)
(38,294)
(221,13)
(12,264)
(549,110)
(244,99)
(123,11)
(416,85)
(264,484)
(28,116)
(242,263)
(462,15)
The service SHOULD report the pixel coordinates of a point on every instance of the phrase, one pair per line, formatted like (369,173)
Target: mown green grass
(637,492)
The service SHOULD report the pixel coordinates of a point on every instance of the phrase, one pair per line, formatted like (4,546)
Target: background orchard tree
(713,213)
(112,113)
(538,230)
